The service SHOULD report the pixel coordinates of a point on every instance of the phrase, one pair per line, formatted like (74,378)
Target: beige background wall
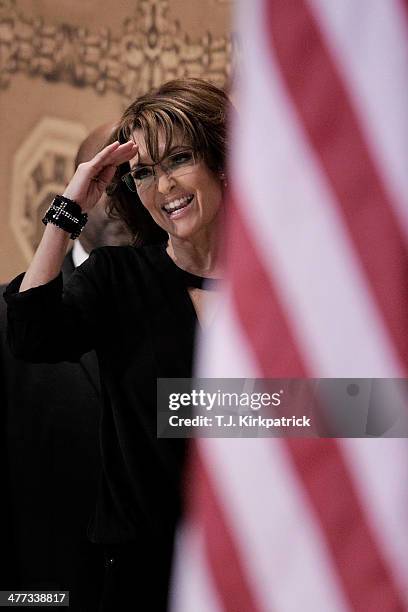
(70,65)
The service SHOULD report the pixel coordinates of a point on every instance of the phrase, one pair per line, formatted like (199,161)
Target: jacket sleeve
(52,323)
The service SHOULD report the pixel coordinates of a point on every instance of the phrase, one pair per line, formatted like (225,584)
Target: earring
(224,180)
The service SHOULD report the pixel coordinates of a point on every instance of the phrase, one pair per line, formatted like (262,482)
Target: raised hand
(91,178)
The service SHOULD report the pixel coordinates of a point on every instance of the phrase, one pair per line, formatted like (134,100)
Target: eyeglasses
(143,177)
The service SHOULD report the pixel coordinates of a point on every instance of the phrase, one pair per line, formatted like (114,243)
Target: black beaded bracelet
(67,215)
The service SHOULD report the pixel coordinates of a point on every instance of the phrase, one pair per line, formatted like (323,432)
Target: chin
(183,231)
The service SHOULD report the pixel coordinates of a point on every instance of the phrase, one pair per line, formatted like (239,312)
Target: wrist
(66,215)
(72,198)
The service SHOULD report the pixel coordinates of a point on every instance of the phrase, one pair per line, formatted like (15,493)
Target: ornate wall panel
(42,166)
(66,67)
(149,48)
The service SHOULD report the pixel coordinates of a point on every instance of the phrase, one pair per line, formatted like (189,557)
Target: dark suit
(49,417)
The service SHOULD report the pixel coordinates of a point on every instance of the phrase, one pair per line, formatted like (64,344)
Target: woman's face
(182,205)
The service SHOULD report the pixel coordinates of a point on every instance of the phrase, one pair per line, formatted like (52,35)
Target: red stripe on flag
(227,570)
(276,351)
(319,462)
(360,566)
(332,127)
(404,7)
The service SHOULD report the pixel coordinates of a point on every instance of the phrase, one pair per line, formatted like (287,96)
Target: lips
(178,204)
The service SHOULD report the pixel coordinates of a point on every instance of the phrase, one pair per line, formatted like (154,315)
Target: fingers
(114,154)
(106,175)
(124,153)
(111,159)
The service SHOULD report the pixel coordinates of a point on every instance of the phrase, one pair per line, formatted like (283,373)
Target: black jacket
(132,306)
(51,469)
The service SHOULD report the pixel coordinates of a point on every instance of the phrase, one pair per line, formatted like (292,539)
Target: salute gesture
(66,218)
(91,178)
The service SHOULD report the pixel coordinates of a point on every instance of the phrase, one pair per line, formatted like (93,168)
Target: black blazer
(49,418)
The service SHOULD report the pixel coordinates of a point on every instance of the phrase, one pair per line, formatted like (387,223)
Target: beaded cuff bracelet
(67,215)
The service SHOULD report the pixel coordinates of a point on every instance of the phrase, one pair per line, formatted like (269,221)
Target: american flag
(317,286)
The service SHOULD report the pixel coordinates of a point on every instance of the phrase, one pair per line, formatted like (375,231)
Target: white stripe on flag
(374,80)
(279,540)
(231,358)
(380,472)
(328,316)
(193,586)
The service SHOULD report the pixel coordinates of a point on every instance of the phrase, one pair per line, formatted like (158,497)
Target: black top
(50,468)
(132,306)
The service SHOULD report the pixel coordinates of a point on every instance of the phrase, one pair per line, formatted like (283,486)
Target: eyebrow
(173,149)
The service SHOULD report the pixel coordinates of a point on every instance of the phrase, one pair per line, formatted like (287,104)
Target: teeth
(176,203)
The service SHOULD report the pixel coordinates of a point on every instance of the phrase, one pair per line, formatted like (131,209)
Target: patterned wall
(65,68)
(149,48)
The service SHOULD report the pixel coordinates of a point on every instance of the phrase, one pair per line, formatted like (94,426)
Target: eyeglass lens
(143,177)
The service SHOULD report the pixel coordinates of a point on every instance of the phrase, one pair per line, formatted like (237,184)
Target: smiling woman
(138,307)
(181,133)
(182,195)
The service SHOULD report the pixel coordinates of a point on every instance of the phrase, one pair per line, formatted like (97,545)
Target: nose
(164,180)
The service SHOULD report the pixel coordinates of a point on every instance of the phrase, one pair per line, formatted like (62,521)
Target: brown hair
(193,107)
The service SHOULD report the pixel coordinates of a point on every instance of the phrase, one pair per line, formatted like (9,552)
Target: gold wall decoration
(150,49)
(67,66)
(42,167)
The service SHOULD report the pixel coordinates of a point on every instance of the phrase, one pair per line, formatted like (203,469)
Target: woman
(138,308)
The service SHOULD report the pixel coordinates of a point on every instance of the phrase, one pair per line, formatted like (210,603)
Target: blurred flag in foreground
(317,285)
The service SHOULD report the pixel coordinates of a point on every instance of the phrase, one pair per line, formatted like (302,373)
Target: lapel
(67,266)
(89,364)
(88,361)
